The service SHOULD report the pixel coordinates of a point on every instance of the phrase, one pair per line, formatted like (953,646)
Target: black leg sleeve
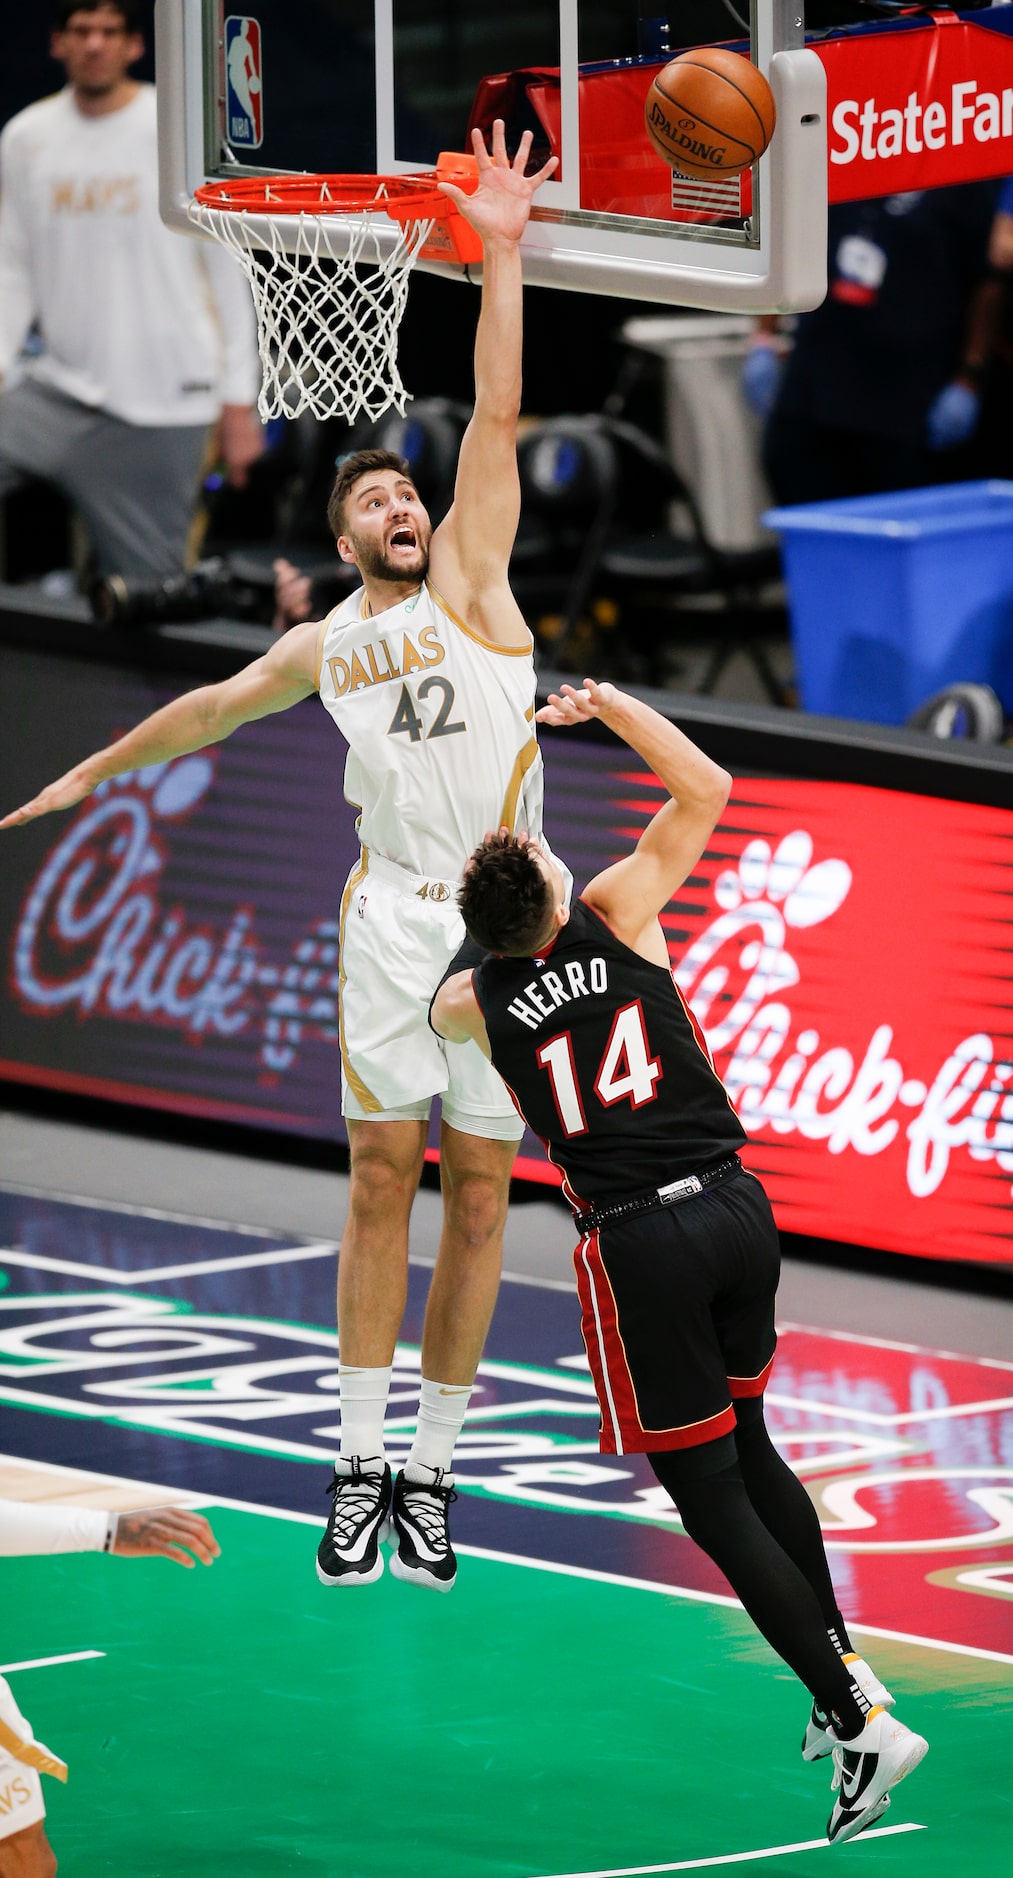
(717,1512)
(785,1508)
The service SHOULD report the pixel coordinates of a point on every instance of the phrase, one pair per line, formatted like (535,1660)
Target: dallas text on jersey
(351,674)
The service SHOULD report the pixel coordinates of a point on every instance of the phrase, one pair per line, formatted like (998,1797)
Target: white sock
(441,1412)
(363,1401)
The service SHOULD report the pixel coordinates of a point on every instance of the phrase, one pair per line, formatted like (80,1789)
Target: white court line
(46,1662)
(230,1225)
(153,1418)
(191,1500)
(624,1871)
(509,1278)
(706,1597)
(954,1412)
(555,1568)
(542,1284)
(834,1412)
(242,1261)
(932,1643)
(601,1578)
(510,1558)
(524,1563)
(734,1858)
(141,1212)
(890,1343)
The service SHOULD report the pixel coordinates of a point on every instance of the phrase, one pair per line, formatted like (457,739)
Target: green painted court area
(246,1721)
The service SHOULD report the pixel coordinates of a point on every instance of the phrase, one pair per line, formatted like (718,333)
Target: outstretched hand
(570,706)
(166,1532)
(62,794)
(498,209)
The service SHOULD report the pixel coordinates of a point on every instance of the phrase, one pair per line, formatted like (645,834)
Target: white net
(329,293)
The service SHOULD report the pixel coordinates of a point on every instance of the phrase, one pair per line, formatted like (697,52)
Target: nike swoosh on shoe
(432,1554)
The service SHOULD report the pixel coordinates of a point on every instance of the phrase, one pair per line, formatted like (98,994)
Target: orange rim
(406,198)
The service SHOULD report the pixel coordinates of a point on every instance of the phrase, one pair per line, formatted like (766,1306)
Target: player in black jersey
(678,1258)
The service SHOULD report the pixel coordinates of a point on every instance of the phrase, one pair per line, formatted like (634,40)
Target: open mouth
(403,540)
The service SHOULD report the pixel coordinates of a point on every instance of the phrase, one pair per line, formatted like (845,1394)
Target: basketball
(710,113)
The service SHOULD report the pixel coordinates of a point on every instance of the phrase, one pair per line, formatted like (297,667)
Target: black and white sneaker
(349,1552)
(866,1768)
(819,1738)
(418,1517)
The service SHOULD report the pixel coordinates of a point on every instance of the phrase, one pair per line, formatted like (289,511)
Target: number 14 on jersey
(627,1072)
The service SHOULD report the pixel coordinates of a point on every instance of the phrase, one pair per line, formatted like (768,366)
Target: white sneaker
(349,1552)
(818,1740)
(418,1518)
(873,1690)
(866,1768)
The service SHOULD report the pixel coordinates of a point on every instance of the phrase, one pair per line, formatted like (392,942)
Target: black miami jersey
(605,1062)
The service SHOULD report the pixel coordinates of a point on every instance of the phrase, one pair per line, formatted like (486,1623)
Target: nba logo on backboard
(244,103)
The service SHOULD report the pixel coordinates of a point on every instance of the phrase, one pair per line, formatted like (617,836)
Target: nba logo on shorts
(244,104)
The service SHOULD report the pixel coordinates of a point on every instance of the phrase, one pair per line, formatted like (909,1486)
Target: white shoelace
(838,1774)
(354,1501)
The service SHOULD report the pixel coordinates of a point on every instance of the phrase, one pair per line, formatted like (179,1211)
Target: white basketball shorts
(21,1802)
(399,932)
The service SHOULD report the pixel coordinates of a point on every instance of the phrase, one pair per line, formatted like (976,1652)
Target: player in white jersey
(428,672)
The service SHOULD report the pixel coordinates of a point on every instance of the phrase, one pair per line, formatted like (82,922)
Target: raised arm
(631,894)
(471,549)
(284,675)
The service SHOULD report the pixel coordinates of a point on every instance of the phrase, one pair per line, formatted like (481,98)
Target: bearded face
(387,530)
(402,555)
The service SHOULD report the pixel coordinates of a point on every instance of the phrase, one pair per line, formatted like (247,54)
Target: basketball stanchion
(328,260)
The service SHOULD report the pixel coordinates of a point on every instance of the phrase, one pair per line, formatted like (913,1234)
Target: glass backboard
(383,86)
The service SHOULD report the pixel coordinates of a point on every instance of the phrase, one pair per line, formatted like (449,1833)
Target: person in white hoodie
(33,1527)
(149,339)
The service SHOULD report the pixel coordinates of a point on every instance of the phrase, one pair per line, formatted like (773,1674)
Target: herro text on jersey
(531,1007)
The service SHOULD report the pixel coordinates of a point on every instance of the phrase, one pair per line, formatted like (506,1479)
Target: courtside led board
(172,944)
(382,86)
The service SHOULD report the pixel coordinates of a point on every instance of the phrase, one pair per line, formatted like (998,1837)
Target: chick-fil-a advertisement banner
(848,953)
(173,941)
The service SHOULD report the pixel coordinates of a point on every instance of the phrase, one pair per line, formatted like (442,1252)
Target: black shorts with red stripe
(678,1316)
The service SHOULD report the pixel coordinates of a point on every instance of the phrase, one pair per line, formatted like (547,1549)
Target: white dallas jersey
(440,730)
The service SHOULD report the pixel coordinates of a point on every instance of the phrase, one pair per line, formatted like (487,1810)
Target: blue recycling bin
(893,596)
